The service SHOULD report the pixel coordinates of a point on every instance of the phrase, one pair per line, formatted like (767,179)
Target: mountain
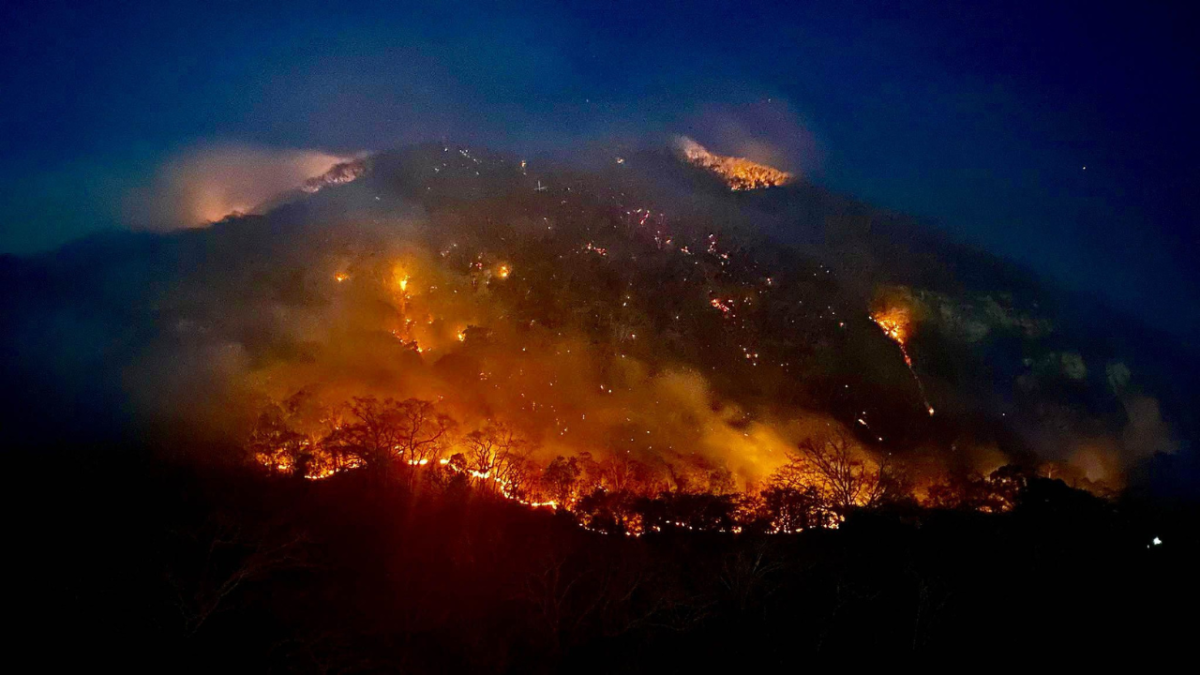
(658,303)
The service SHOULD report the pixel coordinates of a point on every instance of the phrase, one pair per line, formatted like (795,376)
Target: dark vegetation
(140,560)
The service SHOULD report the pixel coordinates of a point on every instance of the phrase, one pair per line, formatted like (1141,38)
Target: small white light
(1156,541)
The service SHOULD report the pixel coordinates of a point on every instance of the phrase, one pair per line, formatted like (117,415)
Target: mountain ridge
(863,252)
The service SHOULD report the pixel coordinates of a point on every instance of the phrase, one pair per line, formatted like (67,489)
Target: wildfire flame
(739,173)
(896,323)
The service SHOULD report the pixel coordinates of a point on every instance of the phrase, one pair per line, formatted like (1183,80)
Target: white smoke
(206,183)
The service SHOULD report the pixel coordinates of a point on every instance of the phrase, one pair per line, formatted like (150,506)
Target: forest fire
(896,323)
(738,172)
(600,371)
(819,484)
(375,339)
(545,403)
(339,174)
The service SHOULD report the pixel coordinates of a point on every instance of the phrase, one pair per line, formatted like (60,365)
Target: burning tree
(790,509)
(275,444)
(609,512)
(840,473)
(424,432)
(560,480)
(412,430)
(697,474)
(499,457)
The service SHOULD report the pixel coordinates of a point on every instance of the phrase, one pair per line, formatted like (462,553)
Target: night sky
(980,117)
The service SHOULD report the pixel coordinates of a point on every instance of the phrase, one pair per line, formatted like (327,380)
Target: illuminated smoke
(738,172)
(448,306)
(205,184)
(453,341)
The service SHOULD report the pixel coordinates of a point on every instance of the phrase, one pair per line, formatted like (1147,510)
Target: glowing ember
(725,306)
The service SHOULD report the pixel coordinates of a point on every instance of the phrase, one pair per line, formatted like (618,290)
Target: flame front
(738,172)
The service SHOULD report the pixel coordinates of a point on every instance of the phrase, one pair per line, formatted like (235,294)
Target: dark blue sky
(979,116)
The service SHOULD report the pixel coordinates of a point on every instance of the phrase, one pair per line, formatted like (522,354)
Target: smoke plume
(204,184)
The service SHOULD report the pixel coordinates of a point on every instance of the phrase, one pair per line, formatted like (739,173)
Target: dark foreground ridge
(148,563)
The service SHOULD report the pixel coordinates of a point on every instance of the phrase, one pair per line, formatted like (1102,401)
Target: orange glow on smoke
(738,172)
(652,426)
